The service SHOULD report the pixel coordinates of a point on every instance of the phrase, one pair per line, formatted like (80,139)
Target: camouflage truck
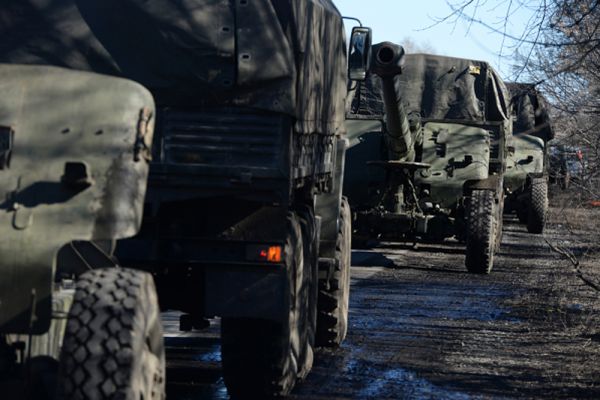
(243,217)
(428,151)
(74,151)
(526,178)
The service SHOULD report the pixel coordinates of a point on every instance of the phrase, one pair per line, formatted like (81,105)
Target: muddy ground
(422,328)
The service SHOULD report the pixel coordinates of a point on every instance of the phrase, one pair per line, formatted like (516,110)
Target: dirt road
(422,328)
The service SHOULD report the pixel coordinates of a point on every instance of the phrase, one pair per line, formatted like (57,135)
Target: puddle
(372,380)
(404,384)
(210,355)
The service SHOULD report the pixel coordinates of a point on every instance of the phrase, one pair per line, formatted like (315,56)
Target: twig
(564,252)
(571,257)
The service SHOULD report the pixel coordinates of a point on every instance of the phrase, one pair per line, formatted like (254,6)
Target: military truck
(243,216)
(74,151)
(526,178)
(428,151)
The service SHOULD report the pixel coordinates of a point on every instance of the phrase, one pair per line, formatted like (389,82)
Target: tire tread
(538,205)
(99,347)
(332,314)
(481,235)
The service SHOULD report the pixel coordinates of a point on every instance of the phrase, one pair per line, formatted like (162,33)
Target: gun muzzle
(387,61)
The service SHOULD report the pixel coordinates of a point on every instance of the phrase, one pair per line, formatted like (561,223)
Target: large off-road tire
(481,231)
(113,344)
(538,205)
(264,359)
(332,317)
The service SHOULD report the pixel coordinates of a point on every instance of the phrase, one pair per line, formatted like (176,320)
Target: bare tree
(559,49)
(412,46)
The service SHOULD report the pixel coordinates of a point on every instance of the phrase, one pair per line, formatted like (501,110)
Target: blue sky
(395,20)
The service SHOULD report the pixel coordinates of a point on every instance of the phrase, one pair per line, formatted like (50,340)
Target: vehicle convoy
(526,178)
(428,152)
(243,217)
(73,169)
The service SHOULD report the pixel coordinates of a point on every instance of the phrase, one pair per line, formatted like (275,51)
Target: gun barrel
(387,62)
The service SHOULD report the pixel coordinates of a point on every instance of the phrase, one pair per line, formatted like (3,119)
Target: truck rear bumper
(245,292)
(211,277)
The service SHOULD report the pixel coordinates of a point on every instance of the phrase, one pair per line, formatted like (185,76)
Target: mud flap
(328,205)
(493,182)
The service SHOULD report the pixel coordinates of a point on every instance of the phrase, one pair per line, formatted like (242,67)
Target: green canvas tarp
(284,56)
(531,111)
(438,87)
(366,100)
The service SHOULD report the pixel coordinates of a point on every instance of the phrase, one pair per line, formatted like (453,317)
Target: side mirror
(359,55)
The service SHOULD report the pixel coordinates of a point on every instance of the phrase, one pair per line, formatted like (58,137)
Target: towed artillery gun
(428,152)
(526,178)
(244,217)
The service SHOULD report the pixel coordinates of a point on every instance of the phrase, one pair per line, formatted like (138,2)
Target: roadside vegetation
(559,50)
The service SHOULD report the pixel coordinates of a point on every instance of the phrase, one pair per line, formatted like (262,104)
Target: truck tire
(332,317)
(113,344)
(311,235)
(538,205)
(263,358)
(481,231)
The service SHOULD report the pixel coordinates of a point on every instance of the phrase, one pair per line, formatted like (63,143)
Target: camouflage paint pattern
(456,153)
(527,158)
(458,109)
(532,130)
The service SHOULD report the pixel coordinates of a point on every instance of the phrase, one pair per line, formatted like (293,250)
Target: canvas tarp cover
(530,110)
(285,56)
(428,88)
(366,100)
(441,87)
